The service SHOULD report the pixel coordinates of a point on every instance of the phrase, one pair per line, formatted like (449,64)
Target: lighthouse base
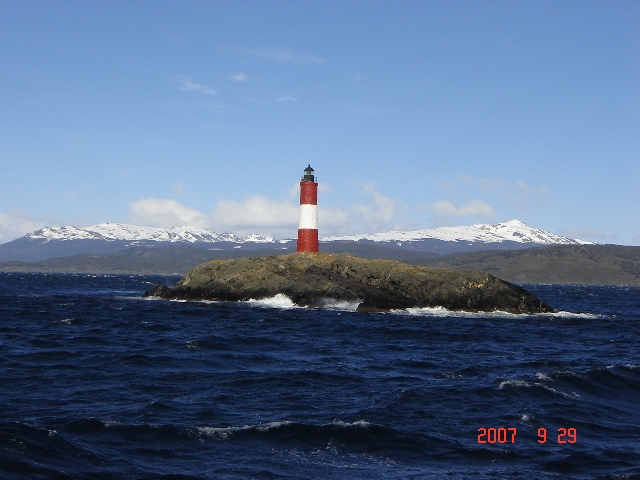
(307,240)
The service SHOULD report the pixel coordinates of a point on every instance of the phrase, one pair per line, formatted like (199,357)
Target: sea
(98,382)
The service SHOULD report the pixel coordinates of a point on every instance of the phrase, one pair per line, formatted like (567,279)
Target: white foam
(445,312)
(427,311)
(277,301)
(112,423)
(522,383)
(226,432)
(334,304)
(358,423)
(513,383)
(283,302)
(564,314)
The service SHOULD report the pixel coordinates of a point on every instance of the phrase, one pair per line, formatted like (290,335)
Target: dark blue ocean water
(97,382)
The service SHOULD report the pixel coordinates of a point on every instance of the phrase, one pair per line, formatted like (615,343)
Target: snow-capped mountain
(107,238)
(133,233)
(511,231)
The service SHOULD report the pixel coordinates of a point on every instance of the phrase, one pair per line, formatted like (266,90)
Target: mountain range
(105,238)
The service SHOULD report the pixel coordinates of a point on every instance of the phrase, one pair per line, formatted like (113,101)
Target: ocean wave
(227,432)
(445,312)
(565,314)
(280,301)
(283,302)
(359,423)
(357,436)
(336,304)
(286,427)
(518,384)
(593,383)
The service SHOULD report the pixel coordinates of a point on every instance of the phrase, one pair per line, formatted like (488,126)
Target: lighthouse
(308,226)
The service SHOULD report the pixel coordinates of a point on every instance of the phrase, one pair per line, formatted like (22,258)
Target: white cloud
(527,190)
(239,77)
(193,86)
(259,214)
(17,223)
(262,214)
(359,81)
(490,185)
(166,213)
(286,98)
(487,185)
(475,208)
(379,210)
(512,193)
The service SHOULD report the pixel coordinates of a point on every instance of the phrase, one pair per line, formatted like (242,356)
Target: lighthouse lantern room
(308,174)
(308,226)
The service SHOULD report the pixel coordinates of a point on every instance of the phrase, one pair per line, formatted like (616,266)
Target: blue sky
(414,114)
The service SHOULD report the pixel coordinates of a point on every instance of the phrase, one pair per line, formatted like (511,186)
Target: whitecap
(226,432)
(112,423)
(565,314)
(427,311)
(445,312)
(524,384)
(277,301)
(335,304)
(358,423)
(263,427)
(513,383)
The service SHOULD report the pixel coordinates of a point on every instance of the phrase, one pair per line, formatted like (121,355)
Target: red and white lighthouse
(308,226)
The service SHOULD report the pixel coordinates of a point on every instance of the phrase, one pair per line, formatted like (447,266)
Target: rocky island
(312,279)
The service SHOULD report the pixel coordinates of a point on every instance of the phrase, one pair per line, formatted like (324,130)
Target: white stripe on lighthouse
(308,217)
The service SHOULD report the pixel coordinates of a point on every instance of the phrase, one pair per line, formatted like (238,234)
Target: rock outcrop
(310,279)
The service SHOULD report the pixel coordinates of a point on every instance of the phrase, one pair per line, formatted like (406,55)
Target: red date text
(508,435)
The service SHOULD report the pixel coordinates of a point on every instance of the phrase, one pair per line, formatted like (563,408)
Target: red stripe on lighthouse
(308,226)
(307,240)
(308,193)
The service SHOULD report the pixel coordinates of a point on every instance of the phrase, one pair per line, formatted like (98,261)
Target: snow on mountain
(120,231)
(256,237)
(513,230)
(108,238)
